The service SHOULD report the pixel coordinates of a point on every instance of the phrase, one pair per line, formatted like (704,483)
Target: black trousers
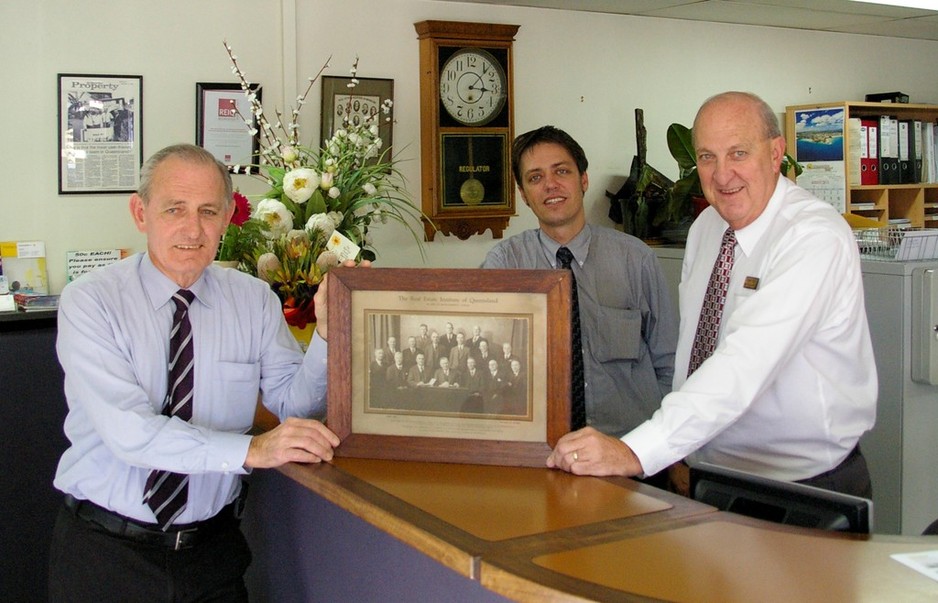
(849,477)
(87,564)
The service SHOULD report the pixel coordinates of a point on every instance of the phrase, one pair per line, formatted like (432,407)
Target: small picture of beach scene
(820,135)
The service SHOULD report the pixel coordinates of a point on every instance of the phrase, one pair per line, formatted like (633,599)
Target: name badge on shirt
(751,282)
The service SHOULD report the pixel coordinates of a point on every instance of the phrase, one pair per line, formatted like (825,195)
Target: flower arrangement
(343,187)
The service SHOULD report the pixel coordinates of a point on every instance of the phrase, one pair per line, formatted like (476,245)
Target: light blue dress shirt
(113,344)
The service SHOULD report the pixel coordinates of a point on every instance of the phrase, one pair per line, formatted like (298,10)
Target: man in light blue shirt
(113,345)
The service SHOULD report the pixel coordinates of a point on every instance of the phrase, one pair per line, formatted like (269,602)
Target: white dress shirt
(792,384)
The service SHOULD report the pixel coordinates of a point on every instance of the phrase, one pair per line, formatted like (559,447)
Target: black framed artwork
(225,125)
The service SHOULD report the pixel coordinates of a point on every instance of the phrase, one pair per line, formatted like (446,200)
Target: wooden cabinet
(882,202)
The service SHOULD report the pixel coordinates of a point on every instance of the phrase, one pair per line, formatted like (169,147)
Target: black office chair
(779,501)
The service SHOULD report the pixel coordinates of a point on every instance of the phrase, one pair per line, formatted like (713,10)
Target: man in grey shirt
(627,321)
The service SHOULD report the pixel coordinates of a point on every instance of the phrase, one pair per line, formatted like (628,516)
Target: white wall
(584,72)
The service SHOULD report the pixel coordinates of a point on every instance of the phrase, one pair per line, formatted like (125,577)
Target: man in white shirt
(791,384)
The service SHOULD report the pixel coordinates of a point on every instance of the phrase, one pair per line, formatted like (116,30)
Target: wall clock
(466,126)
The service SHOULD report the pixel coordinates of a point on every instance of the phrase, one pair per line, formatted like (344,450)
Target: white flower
(323,223)
(327,179)
(289,154)
(334,192)
(327,259)
(299,184)
(369,188)
(267,265)
(278,218)
(298,236)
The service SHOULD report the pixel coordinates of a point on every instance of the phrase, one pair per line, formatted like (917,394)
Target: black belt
(183,536)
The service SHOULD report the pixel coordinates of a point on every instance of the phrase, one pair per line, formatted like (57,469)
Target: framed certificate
(399,390)
(220,127)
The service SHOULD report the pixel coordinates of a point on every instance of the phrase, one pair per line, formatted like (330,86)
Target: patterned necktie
(167,493)
(711,313)
(577,393)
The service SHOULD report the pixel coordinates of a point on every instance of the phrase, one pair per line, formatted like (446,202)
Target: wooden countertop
(544,535)
(456,513)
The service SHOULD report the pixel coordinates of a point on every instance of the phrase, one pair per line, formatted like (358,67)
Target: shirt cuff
(231,451)
(318,347)
(650,446)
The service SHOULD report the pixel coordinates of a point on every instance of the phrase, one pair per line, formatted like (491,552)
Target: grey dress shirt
(629,330)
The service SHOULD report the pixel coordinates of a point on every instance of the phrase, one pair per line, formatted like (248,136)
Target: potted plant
(686,198)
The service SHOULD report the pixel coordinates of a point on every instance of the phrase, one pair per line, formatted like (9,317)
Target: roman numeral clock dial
(466,118)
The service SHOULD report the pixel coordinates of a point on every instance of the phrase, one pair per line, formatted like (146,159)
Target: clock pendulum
(471,192)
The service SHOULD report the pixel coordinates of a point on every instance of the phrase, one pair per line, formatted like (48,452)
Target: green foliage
(681,145)
(241,243)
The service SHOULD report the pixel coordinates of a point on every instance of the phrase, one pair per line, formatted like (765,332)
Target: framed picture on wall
(100,133)
(222,114)
(366,99)
(393,394)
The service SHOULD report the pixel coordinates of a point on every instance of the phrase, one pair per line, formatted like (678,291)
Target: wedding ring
(576,457)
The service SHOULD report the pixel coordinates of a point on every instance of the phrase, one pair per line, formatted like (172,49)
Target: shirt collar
(747,238)
(160,288)
(579,246)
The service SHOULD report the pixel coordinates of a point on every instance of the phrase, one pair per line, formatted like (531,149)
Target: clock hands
(472,86)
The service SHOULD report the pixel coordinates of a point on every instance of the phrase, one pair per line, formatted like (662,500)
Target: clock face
(473,86)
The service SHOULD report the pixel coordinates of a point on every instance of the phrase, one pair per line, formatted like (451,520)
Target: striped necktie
(167,493)
(577,387)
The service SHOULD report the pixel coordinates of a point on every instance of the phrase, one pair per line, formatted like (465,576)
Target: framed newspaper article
(449,365)
(100,133)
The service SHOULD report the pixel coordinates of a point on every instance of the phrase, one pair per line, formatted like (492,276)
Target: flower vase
(303,336)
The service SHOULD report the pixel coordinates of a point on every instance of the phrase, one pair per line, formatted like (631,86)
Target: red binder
(869,161)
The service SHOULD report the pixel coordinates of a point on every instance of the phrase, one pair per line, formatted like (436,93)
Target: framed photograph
(221,129)
(339,102)
(100,133)
(449,365)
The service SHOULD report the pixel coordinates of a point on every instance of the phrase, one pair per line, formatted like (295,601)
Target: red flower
(242,210)
(298,314)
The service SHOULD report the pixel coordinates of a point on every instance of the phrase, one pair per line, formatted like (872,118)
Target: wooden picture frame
(338,101)
(100,133)
(508,424)
(220,127)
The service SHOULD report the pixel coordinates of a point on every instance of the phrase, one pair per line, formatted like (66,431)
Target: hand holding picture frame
(443,412)
(220,128)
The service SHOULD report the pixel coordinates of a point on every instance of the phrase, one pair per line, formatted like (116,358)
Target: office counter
(426,531)
(32,411)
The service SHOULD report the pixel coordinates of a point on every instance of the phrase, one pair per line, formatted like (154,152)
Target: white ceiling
(823,15)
